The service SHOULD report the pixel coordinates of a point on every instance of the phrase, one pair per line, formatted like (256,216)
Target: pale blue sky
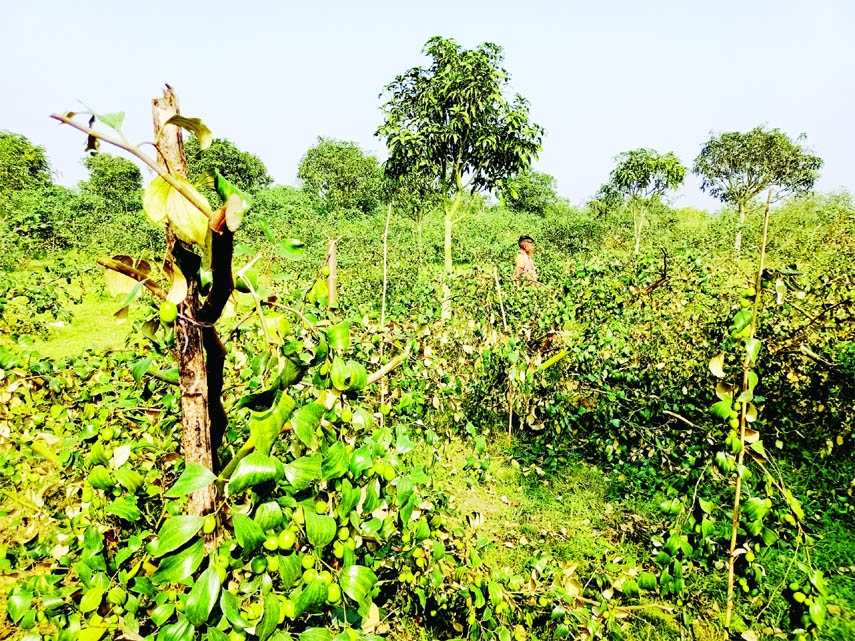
(602,77)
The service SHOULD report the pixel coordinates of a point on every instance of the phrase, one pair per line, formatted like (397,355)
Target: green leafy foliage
(342,511)
(338,176)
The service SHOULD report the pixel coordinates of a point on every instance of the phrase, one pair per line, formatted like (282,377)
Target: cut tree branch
(388,367)
(134,151)
(132,272)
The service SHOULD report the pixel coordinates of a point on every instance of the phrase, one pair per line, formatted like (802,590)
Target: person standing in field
(524,265)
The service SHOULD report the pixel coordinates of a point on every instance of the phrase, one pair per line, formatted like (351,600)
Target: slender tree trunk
(195,419)
(740,463)
(638,224)
(332,277)
(448,264)
(420,246)
(738,245)
(449,223)
(383,309)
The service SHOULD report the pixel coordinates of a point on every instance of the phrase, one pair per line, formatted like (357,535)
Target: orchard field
(332,413)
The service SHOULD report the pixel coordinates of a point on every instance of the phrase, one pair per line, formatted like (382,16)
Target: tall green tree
(338,175)
(639,177)
(735,167)
(241,168)
(28,200)
(23,165)
(530,191)
(452,123)
(116,180)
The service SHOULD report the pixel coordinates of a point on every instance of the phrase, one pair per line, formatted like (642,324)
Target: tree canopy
(338,175)
(243,169)
(735,167)
(23,165)
(640,176)
(117,180)
(451,119)
(645,173)
(530,191)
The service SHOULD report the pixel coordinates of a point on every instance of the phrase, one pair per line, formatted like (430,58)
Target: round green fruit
(271,543)
(168,312)
(389,473)
(321,507)
(254,611)
(286,540)
(289,608)
(343,533)
(308,561)
(325,270)
(333,593)
(209,524)
(258,565)
(310,575)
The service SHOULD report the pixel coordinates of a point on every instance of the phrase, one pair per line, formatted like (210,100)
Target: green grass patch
(93,326)
(565,515)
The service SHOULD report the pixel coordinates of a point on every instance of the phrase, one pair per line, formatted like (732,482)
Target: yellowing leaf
(751,413)
(154,200)
(235,207)
(717,366)
(162,202)
(372,621)
(195,126)
(121,315)
(724,390)
(178,291)
(118,284)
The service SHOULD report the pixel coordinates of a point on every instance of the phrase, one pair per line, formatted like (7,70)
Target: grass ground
(92,326)
(567,516)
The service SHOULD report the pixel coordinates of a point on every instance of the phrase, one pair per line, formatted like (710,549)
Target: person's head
(526,243)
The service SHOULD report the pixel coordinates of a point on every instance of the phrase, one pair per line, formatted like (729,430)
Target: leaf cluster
(451,122)
(736,166)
